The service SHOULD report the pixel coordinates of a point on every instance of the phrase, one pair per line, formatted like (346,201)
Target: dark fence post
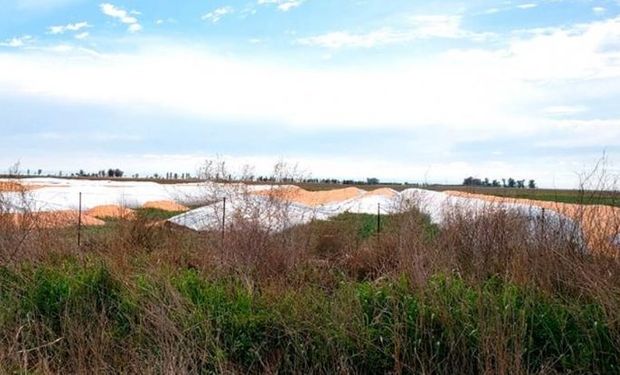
(223,221)
(79,234)
(378,217)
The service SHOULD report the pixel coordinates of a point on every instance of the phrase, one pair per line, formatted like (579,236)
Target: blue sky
(403,90)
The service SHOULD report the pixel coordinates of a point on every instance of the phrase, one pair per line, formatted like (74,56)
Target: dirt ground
(169,206)
(57,219)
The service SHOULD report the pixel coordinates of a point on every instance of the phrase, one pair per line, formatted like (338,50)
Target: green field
(611,198)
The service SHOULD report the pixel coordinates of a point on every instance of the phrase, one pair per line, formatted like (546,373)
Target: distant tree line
(217,170)
(505,183)
(325,181)
(212,172)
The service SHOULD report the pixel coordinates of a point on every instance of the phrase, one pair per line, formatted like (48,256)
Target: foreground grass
(475,296)
(198,324)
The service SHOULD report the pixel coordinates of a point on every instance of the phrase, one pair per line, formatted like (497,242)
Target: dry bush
(17,224)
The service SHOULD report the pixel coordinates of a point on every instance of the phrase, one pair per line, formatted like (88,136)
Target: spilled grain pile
(169,206)
(10,186)
(56,219)
(111,211)
(600,224)
(312,198)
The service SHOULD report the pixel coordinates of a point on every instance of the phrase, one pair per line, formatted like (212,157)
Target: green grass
(366,327)
(564,196)
(365,226)
(155,214)
(326,297)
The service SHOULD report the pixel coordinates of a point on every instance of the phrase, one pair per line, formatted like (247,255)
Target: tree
(496,183)
(511,182)
(14,169)
(207,170)
(372,181)
(471,181)
(247,173)
(532,184)
(118,173)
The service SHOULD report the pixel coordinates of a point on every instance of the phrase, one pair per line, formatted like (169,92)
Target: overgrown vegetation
(327,297)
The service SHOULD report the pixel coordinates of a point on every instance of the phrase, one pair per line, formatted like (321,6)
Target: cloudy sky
(403,90)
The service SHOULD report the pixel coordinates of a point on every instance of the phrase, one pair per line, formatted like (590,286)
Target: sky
(403,90)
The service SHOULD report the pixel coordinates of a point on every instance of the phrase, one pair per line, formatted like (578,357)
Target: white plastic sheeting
(53,194)
(276,215)
(270,214)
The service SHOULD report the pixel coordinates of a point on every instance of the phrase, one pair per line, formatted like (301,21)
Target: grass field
(611,198)
(477,295)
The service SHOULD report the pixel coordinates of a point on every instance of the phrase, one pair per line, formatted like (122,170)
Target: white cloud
(443,26)
(564,110)
(583,133)
(83,35)
(527,6)
(134,27)
(248,11)
(211,87)
(216,15)
(282,5)
(462,95)
(122,15)
(92,136)
(61,29)
(491,11)
(340,39)
(17,41)
(599,10)
(530,88)
(162,21)
(418,27)
(582,51)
